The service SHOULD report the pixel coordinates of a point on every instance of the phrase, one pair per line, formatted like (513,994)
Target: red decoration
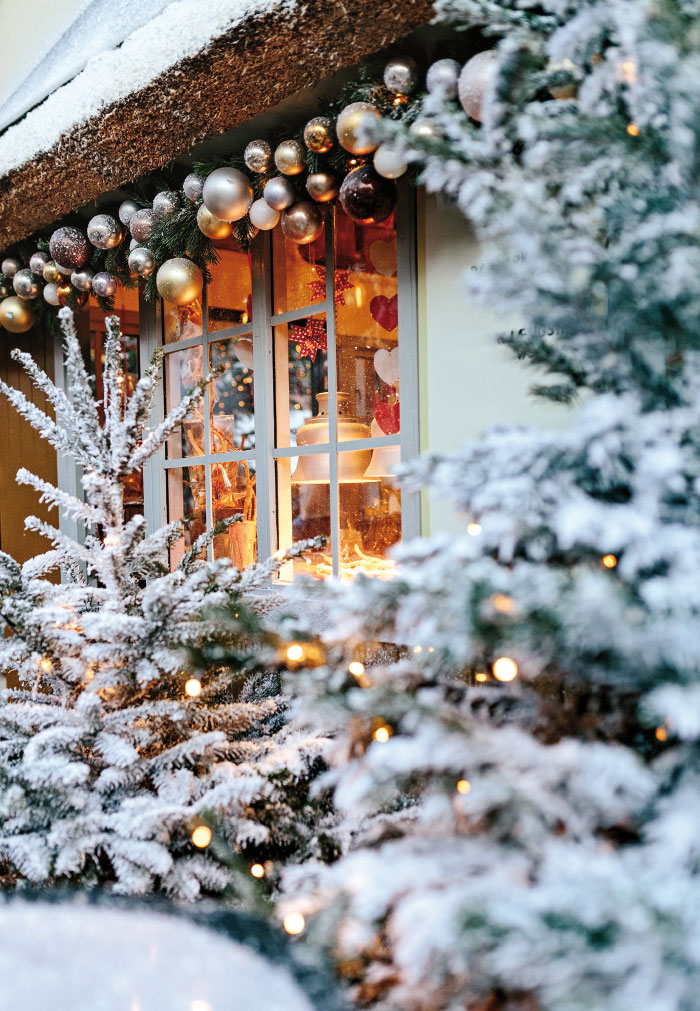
(387,416)
(309,338)
(342,283)
(385,311)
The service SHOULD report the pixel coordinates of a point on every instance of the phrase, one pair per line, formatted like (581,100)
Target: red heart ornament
(387,417)
(385,311)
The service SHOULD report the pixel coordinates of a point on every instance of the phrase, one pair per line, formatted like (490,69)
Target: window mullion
(154,477)
(407,289)
(264,396)
(332,363)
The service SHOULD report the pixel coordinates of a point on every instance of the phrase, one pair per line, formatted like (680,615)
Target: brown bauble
(322,186)
(302,223)
(70,247)
(367,197)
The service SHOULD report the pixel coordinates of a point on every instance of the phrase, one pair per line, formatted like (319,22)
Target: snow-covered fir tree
(115,762)
(518,762)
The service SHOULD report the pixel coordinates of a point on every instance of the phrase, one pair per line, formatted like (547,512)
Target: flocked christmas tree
(116,764)
(519,772)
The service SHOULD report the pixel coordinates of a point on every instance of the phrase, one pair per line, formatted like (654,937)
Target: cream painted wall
(468,382)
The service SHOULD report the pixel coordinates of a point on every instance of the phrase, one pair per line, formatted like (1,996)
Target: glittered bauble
(227,194)
(475,80)
(37,262)
(213,228)
(82,279)
(258,156)
(70,247)
(279,193)
(400,75)
(425,128)
(26,284)
(319,135)
(51,272)
(290,158)
(141,224)
(443,77)
(366,196)
(15,315)
(51,293)
(388,162)
(165,203)
(179,280)
(104,284)
(355,127)
(10,266)
(322,186)
(127,209)
(193,186)
(141,262)
(302,223)
(104,231)
(263,216)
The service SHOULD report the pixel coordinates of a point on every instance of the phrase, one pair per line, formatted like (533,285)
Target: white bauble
(263,216)
(475,80)
(51,294)
(388,162)
(442,78)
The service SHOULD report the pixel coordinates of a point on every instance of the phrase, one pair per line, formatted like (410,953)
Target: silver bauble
(15,315)
(388,162)
(37,262)
(193,186)
(26,284)
(279,193)
(179,281)
(443,77)
(127,209)
(425,128)
(51,272)
(475,80)
(400,75)
(319,135)
(70,247)
(51,293)
(141,262)
(82,279)
(212,227)
(104,284)
(263,216)
(165,203)
(104,231)
(290,157)
(258,156)
(322,186)
(302,223)
(355,127)
(10,266)
(141,224)
(227,194)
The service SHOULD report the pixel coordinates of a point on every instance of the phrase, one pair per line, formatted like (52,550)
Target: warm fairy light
(417,649)
(661,734)
(241,403)
(400,100)
(90,673)
(257,870)
(463,786)
(481,676)
(633,129)
(609,561)
(474,529)
(200,1005)
(505,669)
(356,668)
(382,734)
(628,71)
(294,923)
(295,652)
(193,687)
(111,540)
(45,665)
(201,837)
(501,602)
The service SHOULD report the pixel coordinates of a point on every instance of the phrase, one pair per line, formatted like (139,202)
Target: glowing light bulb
(111,540)
(463,786)
(294,923)
(295,652)
(382,734)
(628,71)
(609,561)
(201,837)
(481,676)
(633,129)
(193,687)
(661,734)
(45,665)
(501,602)
(505,669)
(257,870)
(356,668)
(474,529)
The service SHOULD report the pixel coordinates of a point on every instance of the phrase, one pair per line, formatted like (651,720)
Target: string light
(628,71)
(463,786)
(295,652)
(474,529)
(193,687)
(481,676)
(356,668)
(661,734)
(257,870)
(45,665)
(111,540)
(201,837)
(417,649)
(633,129)
(382,734)
(501,602)
(505,669)
(294,923)
(609,561)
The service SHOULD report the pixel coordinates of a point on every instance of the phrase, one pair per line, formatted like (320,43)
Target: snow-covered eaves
(196,70)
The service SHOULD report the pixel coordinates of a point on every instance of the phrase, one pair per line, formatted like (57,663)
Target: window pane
(182,370)
(299,275)
(229,298)
(301,373)
(233,493)
(304,512)
(370,516)
(232,395)
(182,322)
(186,500)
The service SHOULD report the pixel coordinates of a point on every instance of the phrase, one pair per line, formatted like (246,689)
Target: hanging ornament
(51,272)
(82,279)
(213,228)
(443,78)
(388,162)
(258,156)
(64,272)
(474,81)
(165,203)
(127,209)
(104,232)
(342,283)
(180,280)
(425,129)
(5,290)
(104,284)
(133,244)
(290,158)
(322,186)
(10,266)
(193,186)
(263,216)
(15,315)
(309,337)
(564,91)
(279,193)
(141,224)
(227,194)
(70,247)
(367,197)
(318,135)
(400,75)
(355,126)
(37,262)
(302,223)
(141,262)
(26,284)
(51,293)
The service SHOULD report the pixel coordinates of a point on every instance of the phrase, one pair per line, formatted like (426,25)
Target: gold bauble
(15,315)
(322,186)
(354,127)
(290,158)
(51,273)
(318,135)
(179,281)
(211,226)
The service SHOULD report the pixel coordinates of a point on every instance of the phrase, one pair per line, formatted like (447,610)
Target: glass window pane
(233,493)
(229,296)
(182,322)
(304,512)
(299,275)
(186,500)
(232,395)
(370,516)
(301,373)
(182,370)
